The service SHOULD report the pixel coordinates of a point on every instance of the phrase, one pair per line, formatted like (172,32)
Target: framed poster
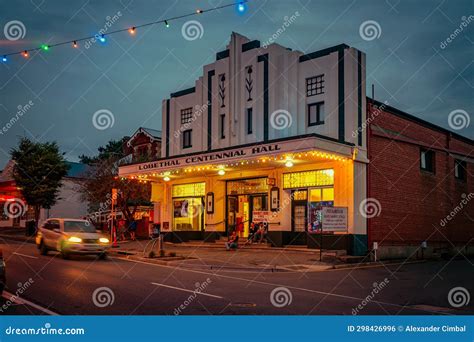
(210,203)
(274,199)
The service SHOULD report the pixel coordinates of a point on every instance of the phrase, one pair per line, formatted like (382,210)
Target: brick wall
(414,202)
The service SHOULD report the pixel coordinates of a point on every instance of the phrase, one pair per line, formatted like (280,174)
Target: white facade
(286,76)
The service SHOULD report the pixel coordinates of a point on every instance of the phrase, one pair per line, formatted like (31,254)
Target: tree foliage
(38,171)
(102,178)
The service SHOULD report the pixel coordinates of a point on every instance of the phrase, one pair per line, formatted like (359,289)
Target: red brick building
(144,144)
(420,184)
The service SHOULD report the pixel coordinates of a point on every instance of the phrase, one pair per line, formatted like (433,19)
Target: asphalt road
(118,286)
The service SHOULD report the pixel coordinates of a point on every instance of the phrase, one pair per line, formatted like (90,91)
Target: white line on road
(330,294)
(18,300)
(25,255)
(186,290)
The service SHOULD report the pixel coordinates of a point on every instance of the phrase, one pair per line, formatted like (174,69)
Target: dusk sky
(410,63)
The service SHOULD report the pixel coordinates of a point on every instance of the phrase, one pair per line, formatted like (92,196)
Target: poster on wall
(260,216)
(181,208)
(334,219)
(314,219)
(210,203)
(274,199)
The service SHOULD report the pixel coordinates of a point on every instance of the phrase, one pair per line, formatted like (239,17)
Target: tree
(102,178)
(38,171)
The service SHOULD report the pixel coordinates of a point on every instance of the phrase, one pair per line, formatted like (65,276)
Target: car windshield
(79,226)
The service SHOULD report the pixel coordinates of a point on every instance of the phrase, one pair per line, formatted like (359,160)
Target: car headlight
(103,240)
(74,239)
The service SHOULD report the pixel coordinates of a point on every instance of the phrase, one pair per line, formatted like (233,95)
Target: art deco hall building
(272,135)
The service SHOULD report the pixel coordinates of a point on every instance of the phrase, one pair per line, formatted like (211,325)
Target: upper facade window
(427,160)
(460,169)
(186,115)
(316,114)
(187,142)
(315,85)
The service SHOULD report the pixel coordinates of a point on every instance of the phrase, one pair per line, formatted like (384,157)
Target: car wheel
(103,256)
(43,249)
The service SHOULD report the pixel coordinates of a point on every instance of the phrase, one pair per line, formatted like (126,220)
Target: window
(306,179)
(186,115)
(316,114)
(222,126)
(427,160)
(315,85)
(249,120)
(460,169)
(187,143)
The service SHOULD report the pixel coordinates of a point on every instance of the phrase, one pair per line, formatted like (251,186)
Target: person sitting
(233,242)
(262,232)
(252,233)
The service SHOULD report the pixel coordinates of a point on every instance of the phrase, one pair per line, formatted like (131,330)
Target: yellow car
(71,236)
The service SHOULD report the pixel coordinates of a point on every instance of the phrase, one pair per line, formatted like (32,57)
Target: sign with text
(223,156)
(260,216)
(334,219)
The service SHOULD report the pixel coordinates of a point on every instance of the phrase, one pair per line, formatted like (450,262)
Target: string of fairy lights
(240,6)
(287,159)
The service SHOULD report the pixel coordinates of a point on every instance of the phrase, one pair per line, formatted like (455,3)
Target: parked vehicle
(71,236)
(3,279)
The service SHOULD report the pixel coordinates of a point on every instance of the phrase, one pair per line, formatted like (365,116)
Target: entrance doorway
(240,209)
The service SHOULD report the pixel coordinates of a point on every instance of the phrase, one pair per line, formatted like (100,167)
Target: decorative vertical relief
(249,82)
(222,90)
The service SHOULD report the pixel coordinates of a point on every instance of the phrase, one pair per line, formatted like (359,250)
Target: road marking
(25,255)
(14,298)
(186,290)
(330,294)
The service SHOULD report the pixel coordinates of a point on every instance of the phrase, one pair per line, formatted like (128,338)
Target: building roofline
(323,52)
(183,92)
(417,120)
